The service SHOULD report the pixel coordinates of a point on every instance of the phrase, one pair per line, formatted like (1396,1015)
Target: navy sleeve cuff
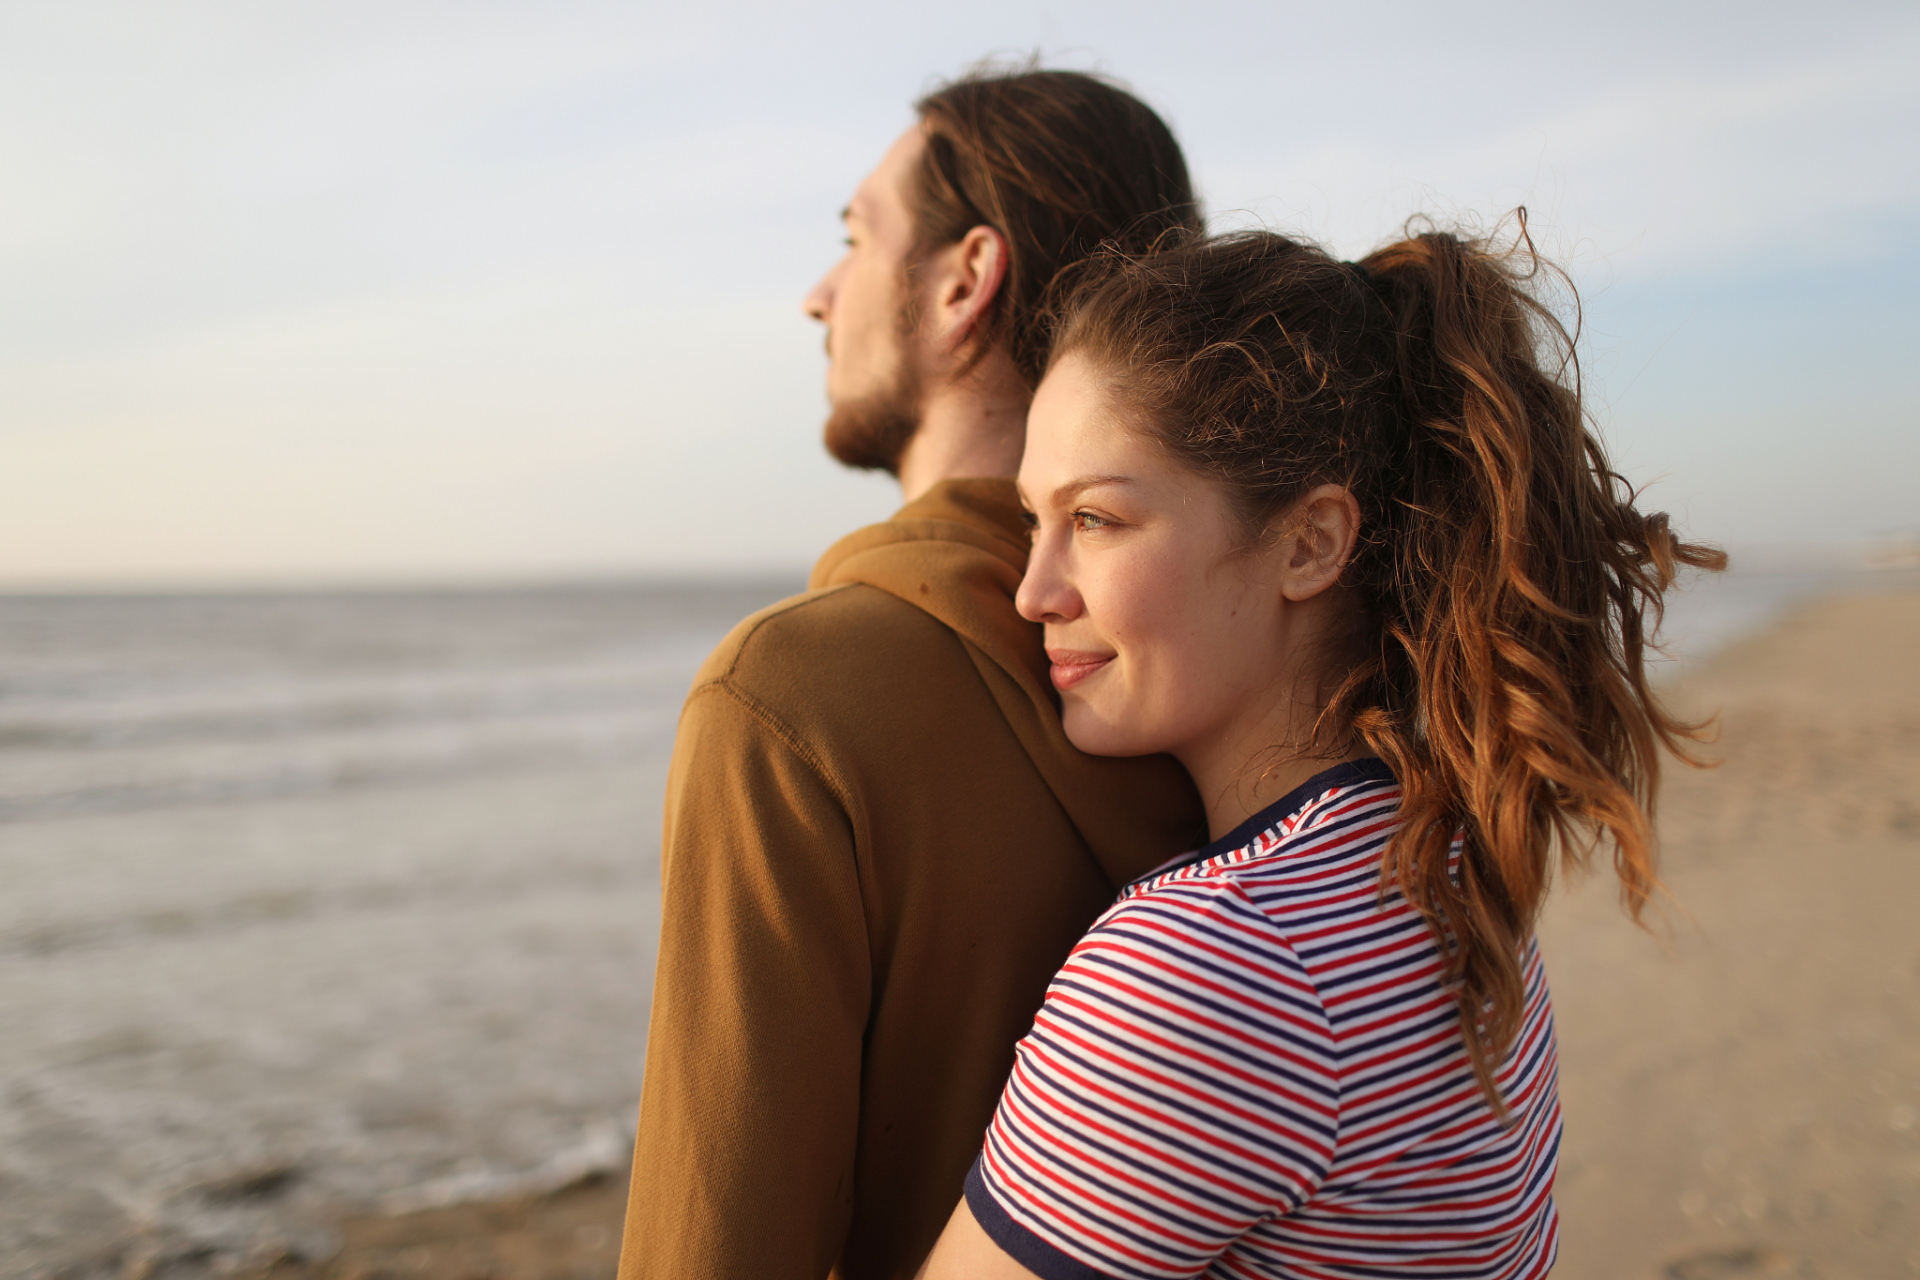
(1020,1244)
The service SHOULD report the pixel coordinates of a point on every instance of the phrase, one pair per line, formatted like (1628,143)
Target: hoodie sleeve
(749,1110)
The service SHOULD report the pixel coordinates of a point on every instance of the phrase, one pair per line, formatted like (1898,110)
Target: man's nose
(819,302)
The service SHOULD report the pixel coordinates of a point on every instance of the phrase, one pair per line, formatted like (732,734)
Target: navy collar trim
(1346,774)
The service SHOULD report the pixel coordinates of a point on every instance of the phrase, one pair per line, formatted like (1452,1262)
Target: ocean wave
(112,704)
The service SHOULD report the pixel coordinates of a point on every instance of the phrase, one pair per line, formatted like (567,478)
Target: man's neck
(972,427)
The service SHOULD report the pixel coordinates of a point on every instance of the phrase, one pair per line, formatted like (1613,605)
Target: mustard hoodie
(879,846)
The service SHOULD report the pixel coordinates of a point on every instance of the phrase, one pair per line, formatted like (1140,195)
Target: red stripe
(1087,1084)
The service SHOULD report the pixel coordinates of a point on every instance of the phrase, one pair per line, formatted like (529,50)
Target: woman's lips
(1071,667)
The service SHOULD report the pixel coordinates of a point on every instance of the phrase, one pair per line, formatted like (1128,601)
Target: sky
(424,291)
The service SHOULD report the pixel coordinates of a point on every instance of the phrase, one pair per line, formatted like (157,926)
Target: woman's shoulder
(1331,828)
(1304,890)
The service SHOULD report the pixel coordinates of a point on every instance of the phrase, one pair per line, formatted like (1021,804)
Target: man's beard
(873,432)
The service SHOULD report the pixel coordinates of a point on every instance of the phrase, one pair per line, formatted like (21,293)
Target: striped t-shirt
(1251,1067)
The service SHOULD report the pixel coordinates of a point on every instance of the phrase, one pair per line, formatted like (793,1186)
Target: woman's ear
(1317,540)
(965,279)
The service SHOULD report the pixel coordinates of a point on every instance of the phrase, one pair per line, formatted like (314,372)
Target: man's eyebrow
(846,213)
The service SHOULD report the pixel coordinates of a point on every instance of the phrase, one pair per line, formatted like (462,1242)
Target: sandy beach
(1741,1086)
(1741,1081)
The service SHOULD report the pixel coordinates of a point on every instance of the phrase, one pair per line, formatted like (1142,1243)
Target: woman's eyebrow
(1074,488)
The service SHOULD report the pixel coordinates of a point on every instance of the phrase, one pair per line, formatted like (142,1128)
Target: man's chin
(870,435)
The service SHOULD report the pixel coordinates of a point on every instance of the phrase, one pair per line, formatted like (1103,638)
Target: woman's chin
(1099,736)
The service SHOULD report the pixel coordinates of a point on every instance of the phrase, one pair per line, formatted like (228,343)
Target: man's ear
(1318,534)
(967,276)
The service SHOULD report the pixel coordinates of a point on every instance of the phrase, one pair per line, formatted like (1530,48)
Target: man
(879,845)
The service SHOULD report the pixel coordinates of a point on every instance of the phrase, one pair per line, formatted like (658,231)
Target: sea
(348,899)
(122,703)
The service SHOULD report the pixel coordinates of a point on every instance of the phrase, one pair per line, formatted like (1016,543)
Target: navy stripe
(1020,1244)
(1350,774)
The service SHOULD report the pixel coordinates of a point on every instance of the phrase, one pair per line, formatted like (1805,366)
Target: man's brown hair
(1060,163)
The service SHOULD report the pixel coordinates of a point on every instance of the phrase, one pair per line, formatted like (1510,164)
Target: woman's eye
(1084,520)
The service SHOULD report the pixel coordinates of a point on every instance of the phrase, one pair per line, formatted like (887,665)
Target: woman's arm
(965,1252)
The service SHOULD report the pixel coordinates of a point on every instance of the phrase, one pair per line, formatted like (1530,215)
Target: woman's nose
(1046,594)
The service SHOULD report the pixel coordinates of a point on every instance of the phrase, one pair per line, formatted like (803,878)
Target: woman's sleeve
(1177,1089)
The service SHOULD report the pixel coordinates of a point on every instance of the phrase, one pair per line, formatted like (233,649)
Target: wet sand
(572,1233)
(1741,1084)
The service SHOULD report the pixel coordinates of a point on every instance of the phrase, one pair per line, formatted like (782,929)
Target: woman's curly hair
(1504,587)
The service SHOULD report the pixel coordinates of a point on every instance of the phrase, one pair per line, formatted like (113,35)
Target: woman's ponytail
(1516,586)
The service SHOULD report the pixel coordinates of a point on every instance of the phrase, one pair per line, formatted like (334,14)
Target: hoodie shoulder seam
(739,645)
(785,733)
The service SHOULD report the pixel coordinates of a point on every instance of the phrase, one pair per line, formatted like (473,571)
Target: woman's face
(1165,632)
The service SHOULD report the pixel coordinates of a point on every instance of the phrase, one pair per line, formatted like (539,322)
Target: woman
(1336,536)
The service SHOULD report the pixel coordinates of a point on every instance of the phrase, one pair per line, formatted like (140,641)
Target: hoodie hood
(958,552)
